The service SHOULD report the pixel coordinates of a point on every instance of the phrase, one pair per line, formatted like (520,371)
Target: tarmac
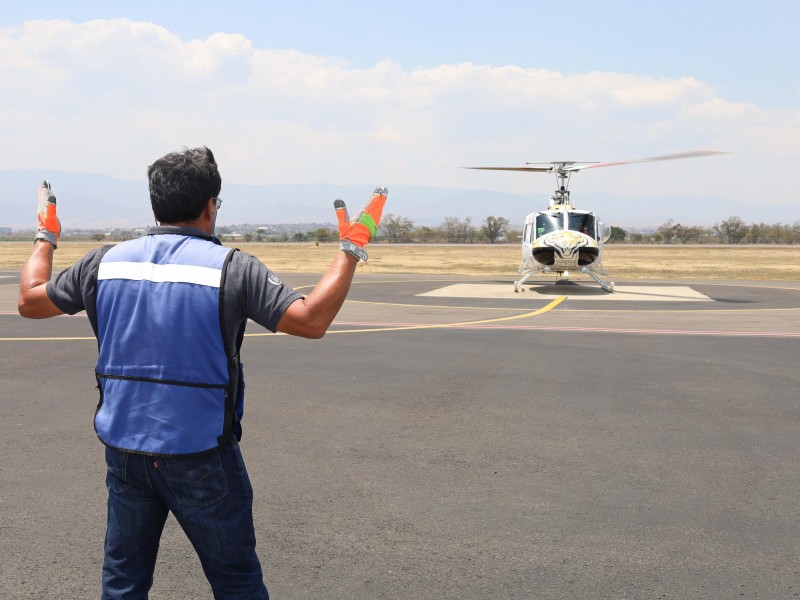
(449,438)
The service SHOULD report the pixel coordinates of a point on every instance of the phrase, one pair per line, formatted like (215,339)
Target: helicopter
(562,239)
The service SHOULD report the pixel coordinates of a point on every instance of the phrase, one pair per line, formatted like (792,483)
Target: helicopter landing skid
(607,286)
(525,275)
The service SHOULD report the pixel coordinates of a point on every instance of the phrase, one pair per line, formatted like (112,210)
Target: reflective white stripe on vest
(160,273)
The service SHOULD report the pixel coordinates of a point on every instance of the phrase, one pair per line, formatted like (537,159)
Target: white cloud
(111,96)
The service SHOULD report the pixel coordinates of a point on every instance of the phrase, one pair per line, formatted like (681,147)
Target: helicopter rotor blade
(695,154)
(529,169)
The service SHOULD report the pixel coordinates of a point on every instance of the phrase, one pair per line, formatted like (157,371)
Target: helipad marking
(671,293)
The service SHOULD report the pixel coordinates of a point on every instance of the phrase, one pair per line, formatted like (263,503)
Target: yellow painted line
(539,311)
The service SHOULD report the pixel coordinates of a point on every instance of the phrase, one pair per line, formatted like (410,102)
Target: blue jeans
(212,500)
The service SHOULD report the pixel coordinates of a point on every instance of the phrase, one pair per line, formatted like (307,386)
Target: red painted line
(15,313)
(579,329)
(366,325)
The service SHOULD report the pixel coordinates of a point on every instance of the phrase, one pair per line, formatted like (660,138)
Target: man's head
(182,183)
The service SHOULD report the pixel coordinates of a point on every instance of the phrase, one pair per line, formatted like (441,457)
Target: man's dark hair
(181,184)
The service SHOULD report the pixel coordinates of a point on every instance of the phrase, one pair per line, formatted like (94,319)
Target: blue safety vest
(167,385)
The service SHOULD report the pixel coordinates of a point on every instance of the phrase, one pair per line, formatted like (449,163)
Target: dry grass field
(622,261)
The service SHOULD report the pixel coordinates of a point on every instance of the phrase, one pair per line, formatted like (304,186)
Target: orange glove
(49,226)
(355,234)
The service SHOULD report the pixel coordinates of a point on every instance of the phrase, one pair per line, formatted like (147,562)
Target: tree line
(492,230)
(732,230)
(454,230)
(402,230)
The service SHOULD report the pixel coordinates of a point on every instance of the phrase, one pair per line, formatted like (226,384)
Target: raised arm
(33,301)
(311,316)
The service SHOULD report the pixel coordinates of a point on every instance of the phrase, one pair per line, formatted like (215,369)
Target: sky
(378,93)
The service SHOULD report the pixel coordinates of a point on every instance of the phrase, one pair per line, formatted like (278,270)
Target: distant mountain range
(90,201)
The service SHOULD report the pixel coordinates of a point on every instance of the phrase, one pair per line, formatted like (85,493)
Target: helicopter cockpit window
(583,223)
(545,223)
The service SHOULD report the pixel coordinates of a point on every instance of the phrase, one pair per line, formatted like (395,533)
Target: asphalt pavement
(451,439)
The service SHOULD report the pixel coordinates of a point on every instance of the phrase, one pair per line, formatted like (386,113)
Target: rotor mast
(563,172)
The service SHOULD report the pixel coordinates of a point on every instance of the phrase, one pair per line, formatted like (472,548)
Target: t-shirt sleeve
(258,293)
(74,288)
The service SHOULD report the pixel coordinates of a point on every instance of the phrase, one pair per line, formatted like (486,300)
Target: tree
(299,236)
(758,233)
(494,228)
(424,234)
(397,229)
(732,230)
(450,227)
(323,234)
(670,231)
(457,231)
(690,234)
(468,231)
(618,234)
(637,238)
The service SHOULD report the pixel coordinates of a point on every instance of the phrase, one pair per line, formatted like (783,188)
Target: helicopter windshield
(583,223)
(547,222)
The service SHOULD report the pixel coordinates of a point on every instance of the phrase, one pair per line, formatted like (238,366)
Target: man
(169,311)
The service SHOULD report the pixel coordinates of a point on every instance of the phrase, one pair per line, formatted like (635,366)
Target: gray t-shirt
(251,290)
